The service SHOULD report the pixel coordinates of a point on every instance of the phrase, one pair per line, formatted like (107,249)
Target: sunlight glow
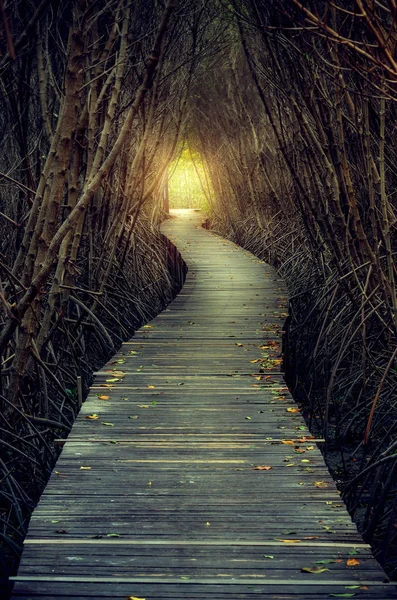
(189,185)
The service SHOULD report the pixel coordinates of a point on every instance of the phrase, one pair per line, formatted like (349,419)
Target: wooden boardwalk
(189,473)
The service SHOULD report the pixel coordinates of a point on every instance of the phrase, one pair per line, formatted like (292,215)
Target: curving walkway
(189,473)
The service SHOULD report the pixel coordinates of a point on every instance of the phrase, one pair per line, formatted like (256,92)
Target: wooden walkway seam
(190,472)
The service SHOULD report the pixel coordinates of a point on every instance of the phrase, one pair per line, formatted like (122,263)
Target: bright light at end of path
(189,185)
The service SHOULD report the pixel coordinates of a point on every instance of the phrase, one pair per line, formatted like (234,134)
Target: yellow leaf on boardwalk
(352,562)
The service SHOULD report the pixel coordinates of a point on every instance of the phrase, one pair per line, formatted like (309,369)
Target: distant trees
(189,183)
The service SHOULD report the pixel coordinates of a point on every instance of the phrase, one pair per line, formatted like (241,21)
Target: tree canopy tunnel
(275,117)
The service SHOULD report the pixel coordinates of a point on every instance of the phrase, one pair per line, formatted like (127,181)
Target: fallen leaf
(134,417)
(134,598)
(320,484)
(290,541)
(248,418)
(314,570)
(292,410)
(107,424)
(239,345)
(103,397)
(268,556)
(85,468)
(93,417)
(262,468)
(143,405)
(151,387)
(288,442)
(352,587)
(352,562)
(112,380)
(112,535)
